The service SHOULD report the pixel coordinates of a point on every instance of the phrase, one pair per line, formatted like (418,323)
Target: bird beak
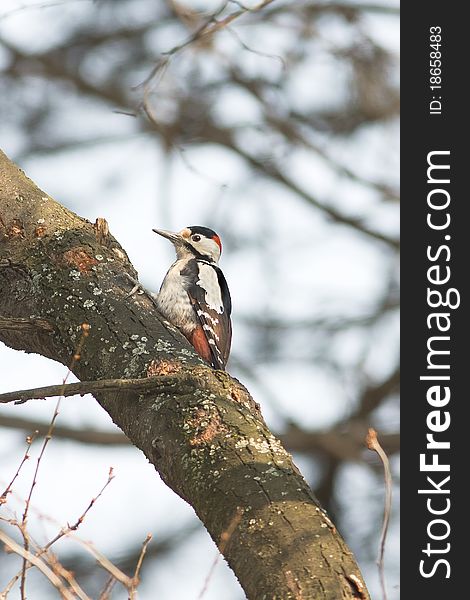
(175,238)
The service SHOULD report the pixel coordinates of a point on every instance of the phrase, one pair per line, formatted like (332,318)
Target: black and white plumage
(194,295)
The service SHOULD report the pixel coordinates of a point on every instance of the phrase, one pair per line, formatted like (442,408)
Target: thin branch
(75,526)
(148,384)
(106,563)
(165,545)
(75,358)
(135,579)
(61,571)
(56,566)
(142,555)
(344,442)
(311,9)
(224,540)
(211,25)
(331,324)
(29,441)
(373,395)
(28,500)
(41,5)
(245,46)
(373,444)
(37,562)
(85,436)
(106,593)
(272,171)
(203,30)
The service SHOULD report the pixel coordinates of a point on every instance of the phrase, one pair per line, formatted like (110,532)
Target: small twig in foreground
(29,441)
(106,593)
(56,566)
(105,563)
(76,525)
(37,562)
(224,540)
(135,579)
(373,444)
(61,571)
(23,527)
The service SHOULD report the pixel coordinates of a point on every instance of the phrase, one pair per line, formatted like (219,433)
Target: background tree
(278,128)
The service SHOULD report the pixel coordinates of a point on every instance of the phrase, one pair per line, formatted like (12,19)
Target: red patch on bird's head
(217,241)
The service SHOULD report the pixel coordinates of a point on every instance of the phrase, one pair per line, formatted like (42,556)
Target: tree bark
(202,430)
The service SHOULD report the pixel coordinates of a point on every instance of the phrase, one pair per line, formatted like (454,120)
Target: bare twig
(245,46)
(66,530)
(374,394)
(56,566)
(209,26)
(130,583)
(105,594)
(373,444)
(135,579)
(29,441)
(61,571)
(85,436)
(106,563)
(224,540)
(23,528)
(41,5)
(81,388)
(274,172)
(37,562)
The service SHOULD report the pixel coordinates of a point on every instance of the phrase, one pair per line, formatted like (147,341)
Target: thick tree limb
(204,433)
(25,324)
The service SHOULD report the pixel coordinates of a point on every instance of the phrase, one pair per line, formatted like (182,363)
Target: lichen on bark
(204,434)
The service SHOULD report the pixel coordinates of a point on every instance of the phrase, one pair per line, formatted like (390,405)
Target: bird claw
(137,288)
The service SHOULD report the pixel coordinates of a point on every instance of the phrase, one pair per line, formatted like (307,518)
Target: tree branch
(200,429)
(37,562)
(225,137)
(373,444)
(84,436)
(151,384)
(26,325)
(53,66)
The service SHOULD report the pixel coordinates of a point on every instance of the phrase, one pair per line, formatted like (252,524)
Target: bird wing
(210,298)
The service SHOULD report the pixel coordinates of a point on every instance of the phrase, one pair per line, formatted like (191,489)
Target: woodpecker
(194,295)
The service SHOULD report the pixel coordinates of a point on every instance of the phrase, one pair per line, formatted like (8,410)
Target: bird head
(200,242)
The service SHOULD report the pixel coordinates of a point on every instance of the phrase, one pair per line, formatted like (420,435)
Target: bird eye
(196,238)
